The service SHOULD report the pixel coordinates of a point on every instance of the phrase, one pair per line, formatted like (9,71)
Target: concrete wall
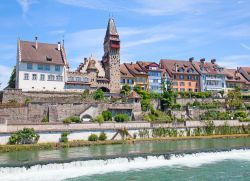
(185,101)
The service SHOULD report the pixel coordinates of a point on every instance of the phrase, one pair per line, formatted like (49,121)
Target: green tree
(107,115)
(25,136)
(102,136)
(93,137)
(126,89)
(121,118)
(98,94)
(234,99)
(12,80)
(168,98)
(99,119)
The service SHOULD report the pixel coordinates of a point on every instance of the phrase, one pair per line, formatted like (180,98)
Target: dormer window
(49,58)
(190,71)
(181,70)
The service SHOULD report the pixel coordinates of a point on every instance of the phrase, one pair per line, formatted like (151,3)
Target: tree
(107,115)
(168,96)
(12,81)
(121,118)
(98,94)
(126,89)
(234,99)
(25,136)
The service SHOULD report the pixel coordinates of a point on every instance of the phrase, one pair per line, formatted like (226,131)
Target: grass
(82,143)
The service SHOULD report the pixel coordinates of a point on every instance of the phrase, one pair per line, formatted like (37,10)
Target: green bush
(85,94)
(98,94)
(107,115)
(215,115)
(176,106)
(240,114)
(93,137)
(27,101)
(121,118)
(99,119)
(75,119)
(244,119)
(102,136)
(67,121)
(45,119)
(64,137)
(247,106)
(25,136)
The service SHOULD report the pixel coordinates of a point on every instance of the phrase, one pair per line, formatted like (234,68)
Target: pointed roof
(111,28)
(134,95)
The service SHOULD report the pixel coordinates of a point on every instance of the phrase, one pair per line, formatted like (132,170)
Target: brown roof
(124,72)
(134,95)
(146,65)
(245,72)
(178,66)
(102,79)
(234,76)
(45,53)
(135,69)
(209,68)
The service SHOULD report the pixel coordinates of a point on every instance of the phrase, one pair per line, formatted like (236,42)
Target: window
(47,67)
(78,79)
(70,78)
(190,83)
(85,79)
(26,76)
(40,67)
(189,77)
(130,81)
(155,81)
(174,76)
(57,68)
(123,81)
(195,77)
(59,78)
(175,83)
(181,70)
(42,77)
(29,66)
(182,90)
(34,77)
(176,89)
(51,77)
(190,90)
(182,83)
(182,77)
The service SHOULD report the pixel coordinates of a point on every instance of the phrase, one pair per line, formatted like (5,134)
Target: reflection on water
(112,150)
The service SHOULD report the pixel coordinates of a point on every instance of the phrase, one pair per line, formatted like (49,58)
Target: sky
(149,30)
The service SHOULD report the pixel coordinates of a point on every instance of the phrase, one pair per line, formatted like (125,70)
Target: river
(200,159)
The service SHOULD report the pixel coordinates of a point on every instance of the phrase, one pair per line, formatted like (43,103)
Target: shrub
(98,94)
(121,118)
(67,121)
(102,136)
(176,106)
(27,101)
(45,119)
(107,115)
(93,137)
(145,104)
(85,94)
(64,137)
(75,119)
(247,106)
(99,119)
(25,136)
(244,119)
(240,114)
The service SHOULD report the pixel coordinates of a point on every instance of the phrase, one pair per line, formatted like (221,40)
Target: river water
(203,159)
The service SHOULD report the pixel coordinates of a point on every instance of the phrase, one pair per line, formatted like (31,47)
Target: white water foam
(58,172)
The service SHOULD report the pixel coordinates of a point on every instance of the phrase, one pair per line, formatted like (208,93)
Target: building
(140,75)
(235,79)
(126,76)
(40,66)
(154,75)
(212,75)
(183,75)
(44,67)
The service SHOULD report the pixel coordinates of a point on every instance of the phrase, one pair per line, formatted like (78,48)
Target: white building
(40,66)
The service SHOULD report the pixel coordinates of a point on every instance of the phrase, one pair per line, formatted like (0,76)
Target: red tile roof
(125,72)
(45,53)
(234,76)
(209,68)
(135,69)
(178,66)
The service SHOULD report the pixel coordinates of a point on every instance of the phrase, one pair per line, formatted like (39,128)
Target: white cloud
(25,4)
(234,61)
(245,46)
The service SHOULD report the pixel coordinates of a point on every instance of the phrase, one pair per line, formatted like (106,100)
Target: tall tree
(12,81)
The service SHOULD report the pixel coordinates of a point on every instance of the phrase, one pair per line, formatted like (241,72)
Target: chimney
(59,46)
(202,60)
(131,63)
(191,59)
(36,42)
(213,61)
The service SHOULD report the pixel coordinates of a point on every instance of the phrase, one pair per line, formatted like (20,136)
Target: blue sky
(149,29)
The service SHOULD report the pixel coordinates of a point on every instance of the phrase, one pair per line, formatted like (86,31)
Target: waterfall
(61,171)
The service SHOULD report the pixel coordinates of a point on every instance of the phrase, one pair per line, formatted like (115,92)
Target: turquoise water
(206,159)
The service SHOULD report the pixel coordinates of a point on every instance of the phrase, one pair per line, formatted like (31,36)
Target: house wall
(40,85)
(191,84)
(154,81)
(213,82)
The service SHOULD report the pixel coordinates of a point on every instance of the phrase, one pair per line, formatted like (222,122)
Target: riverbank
(83,143)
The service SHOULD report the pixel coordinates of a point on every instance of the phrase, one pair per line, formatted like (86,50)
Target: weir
(60,171)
